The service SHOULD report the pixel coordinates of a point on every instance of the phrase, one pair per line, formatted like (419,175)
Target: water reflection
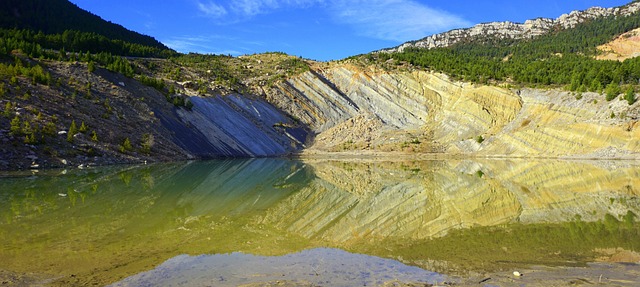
(419,200)
(101,225)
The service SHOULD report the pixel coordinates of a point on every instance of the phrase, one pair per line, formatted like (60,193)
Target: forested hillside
(560,58)
(58,16)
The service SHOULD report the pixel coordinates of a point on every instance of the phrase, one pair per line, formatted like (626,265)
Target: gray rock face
(324,99)
(235,126)
(510,30)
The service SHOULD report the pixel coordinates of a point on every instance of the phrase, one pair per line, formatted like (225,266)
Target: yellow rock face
(353,109)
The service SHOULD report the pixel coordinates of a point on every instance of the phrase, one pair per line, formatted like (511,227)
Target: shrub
(72,131)
(83,128)
(16,128)
(630,96)
(147,142)
(8,108)
(612,91)
(188,104)
(126,146)
(49,129)
(30,139)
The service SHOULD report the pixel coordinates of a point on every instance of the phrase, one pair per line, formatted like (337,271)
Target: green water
(99,226)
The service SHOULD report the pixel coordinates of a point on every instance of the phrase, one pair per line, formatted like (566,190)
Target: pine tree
(630,96)
(8,108)
(83,128)
(612,91)
(126,145)
(16,128)
(73,130)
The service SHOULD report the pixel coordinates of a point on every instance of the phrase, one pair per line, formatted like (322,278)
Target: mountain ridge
(57,16)
(512,30)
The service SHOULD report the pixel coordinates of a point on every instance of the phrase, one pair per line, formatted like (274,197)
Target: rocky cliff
(354,108)
(332,107)
(119,120)
(510,30)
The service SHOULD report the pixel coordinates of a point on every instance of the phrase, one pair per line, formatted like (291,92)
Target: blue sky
(314,29)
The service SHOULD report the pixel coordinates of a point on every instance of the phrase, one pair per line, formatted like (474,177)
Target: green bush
(630,96)
(612,91)
(83,128)
(16,127)
(126,146)
(73,130)
(147,143)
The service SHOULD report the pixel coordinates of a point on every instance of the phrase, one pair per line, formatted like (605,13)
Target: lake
(318,222)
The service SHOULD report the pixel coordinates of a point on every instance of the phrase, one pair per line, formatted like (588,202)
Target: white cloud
(253,7)
(249,8)
(395,20)
(212,9)
(199,44)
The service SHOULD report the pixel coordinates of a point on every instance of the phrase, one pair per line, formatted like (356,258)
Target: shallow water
(235,222)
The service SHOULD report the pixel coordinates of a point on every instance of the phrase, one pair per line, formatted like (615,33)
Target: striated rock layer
(350,108)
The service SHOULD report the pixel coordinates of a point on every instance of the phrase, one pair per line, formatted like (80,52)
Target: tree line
(57,16)
(37,44)
(563,57)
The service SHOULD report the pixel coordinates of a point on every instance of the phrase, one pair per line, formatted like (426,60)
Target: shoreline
(622,274)
(313,154)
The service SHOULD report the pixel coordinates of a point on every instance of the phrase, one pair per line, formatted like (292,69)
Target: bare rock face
(235,126)
(510,30)
(624,47)
(351,108)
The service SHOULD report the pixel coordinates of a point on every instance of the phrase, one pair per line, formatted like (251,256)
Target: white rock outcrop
(510,30)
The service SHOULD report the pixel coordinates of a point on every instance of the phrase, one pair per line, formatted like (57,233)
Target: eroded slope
(355,108)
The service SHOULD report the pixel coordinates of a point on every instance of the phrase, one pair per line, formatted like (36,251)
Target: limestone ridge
(510,30)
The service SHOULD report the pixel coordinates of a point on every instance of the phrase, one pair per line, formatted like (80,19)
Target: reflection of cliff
(556,190)
(352,201)
(125,220)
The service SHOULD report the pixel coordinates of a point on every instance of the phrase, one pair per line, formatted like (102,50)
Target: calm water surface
(321,222)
